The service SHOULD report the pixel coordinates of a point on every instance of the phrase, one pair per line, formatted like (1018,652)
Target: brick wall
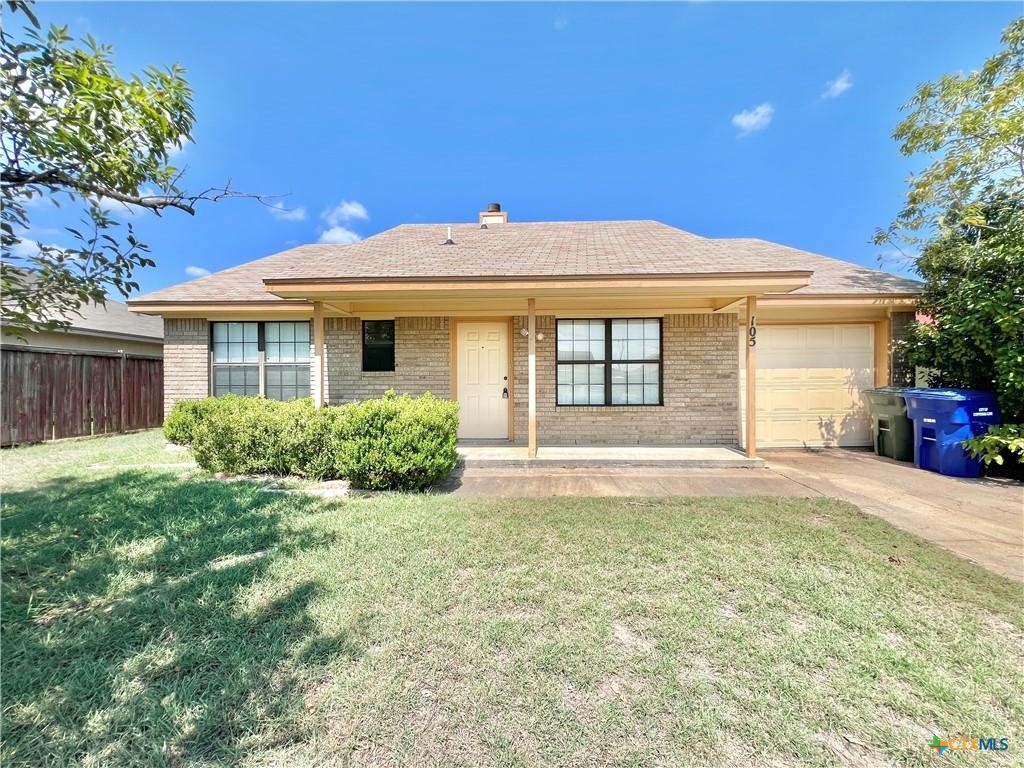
(700,378)
(700,390)
(186,360)
(421,359)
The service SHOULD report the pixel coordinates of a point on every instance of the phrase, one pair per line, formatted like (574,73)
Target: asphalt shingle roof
(541,249)
(113,317)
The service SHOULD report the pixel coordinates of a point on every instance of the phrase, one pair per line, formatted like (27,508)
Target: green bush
(397,442)
(998,443)
(252,435)
(180,424)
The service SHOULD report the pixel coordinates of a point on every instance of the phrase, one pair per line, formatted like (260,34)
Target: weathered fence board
(50,395)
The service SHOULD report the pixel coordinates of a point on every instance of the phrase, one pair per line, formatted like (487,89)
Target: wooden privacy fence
(50,395)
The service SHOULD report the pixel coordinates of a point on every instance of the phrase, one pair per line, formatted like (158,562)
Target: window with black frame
(609,362)
(281,372)
(378,345)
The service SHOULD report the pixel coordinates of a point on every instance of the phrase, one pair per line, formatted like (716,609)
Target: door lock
(504,394)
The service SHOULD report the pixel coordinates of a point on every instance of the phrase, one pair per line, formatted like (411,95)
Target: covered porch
(507,372)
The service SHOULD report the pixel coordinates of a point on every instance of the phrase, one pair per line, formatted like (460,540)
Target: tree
(965,212)
(973,127)
(75,131)
(974,299)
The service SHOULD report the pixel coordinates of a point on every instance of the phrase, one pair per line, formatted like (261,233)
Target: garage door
(810,380)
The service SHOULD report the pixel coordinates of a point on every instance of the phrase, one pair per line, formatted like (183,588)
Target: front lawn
(155,617)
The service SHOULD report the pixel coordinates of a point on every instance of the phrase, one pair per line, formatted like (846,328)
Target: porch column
(883,351)
(319,396)
(751,376)
(531,368)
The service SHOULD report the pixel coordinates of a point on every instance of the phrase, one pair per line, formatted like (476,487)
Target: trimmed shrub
(252,435)
(397,442)
(183,418)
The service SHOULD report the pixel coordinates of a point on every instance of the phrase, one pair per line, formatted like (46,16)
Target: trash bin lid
(887,391)
(959,395)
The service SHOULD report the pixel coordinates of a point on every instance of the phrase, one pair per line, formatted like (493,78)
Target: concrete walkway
(981,520)
(494,456)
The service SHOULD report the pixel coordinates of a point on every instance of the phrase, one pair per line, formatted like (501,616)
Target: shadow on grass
(148,620)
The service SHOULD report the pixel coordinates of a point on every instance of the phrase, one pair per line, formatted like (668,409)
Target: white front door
(482,383)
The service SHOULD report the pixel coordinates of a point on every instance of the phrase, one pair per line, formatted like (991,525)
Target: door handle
(504,394)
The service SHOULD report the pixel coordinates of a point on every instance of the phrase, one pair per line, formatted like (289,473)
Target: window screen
(239,368)
(236,359)
(285,345)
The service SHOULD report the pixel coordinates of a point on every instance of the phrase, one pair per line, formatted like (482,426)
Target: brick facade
(701,385)
(421,359)
(700,390)
(186,360)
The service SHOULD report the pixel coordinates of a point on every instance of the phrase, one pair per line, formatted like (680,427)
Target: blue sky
(728,120)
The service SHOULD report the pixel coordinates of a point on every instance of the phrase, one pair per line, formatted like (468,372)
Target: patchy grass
(152,617)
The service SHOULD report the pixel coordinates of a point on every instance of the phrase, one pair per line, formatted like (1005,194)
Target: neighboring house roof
(115,319)
(522,250)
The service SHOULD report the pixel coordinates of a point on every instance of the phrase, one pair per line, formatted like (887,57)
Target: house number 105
(752,331)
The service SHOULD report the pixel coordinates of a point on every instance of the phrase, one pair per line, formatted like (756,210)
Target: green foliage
(249,435)
(974,297)
(971,126)
(397,442)
(77,131)
(998,443)
(181,422)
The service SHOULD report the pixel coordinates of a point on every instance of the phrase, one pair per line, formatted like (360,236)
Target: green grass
(155,617)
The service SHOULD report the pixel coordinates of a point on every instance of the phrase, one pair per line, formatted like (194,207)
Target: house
(101,374)
(106,329)
(553,333)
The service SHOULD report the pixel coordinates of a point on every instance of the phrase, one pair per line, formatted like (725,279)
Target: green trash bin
(892,431)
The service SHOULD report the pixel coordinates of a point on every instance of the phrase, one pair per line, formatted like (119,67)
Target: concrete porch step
(693,457)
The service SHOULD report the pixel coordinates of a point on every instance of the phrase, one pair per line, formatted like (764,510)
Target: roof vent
(448,240)
(493,215)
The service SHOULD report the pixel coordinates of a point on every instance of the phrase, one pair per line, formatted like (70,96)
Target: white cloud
(839,86)
(196,271)
(173,150)
(339,235)
(32,241)
(561,22)
(24,249)
(755,119)
(344,212)
(288,214)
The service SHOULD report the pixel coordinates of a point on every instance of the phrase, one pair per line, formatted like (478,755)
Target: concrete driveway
(981,520)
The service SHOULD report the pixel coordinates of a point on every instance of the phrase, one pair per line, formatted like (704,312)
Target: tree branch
(14,178)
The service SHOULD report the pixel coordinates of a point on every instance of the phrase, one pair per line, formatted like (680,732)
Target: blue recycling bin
(943,419)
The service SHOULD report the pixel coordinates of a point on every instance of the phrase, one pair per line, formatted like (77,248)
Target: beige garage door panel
(810,380)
